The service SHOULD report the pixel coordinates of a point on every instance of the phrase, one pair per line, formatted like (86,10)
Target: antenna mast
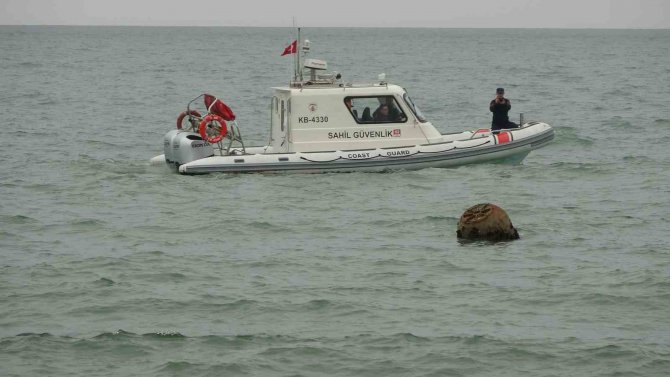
(298,72)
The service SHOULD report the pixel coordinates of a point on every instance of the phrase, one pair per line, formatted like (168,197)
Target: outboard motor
(167,145)
(187,147)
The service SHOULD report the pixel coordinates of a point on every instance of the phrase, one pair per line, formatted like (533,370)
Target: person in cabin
(347,102)
(500,106)
(388,111)
(382,113)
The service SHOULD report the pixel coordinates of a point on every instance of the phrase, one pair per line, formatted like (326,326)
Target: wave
(114,334)
(87,223)
(40,335)
(30,65)
(644,160)
(158,335)
(583,167)
(425,187)
(164,335)
(266,226)
(596,299)
(121,334)
(165,277)
(439,219)
(410,352)
(317,304)
(47,101)
(180,368)
(19,220)
(618,123)
(241,304)
(364,338)
(608,351)
(401,222)
(104,282)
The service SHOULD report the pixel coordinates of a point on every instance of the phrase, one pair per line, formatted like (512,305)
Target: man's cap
(500,90)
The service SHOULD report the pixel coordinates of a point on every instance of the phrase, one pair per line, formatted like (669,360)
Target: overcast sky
(361,13)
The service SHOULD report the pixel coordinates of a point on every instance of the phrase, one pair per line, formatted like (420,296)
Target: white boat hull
(480,146)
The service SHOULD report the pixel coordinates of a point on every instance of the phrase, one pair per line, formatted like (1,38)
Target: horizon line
(356,27)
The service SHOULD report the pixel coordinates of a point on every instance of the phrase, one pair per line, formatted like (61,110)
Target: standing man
(500,106)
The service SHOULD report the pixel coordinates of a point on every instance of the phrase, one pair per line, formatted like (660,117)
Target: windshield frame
(415,110)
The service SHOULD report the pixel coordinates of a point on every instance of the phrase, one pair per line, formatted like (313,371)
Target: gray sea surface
(112,267)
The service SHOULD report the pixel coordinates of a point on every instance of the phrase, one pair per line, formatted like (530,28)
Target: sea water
(112,267)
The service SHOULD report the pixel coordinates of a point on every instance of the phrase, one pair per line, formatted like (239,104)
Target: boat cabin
(328,117)
(319,113)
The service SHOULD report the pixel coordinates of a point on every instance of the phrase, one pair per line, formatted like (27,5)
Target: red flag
(216,106)
(291,49)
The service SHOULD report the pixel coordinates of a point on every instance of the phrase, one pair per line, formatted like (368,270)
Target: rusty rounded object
(486,221)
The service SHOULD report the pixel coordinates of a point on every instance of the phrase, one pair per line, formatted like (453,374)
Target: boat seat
(366,115)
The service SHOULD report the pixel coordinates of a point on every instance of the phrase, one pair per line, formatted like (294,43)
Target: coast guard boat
(320,124)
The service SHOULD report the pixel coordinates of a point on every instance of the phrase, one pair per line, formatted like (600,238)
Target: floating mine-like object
(486,221)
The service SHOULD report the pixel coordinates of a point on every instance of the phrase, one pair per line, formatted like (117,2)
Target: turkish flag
(291,49)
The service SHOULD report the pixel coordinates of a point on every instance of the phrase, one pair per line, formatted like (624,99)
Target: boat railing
(227,145)
(234,135)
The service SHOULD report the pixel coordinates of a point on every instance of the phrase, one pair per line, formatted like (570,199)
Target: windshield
(375,109)
(415,110)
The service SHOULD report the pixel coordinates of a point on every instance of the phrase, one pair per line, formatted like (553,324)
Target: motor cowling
(187,147)
(167,145)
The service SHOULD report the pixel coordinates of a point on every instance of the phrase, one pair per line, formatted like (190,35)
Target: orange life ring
(215,134)
(181,117)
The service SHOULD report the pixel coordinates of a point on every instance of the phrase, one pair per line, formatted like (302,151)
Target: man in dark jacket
(500,106)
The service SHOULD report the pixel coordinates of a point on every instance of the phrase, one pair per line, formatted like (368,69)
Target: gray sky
(313,13)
